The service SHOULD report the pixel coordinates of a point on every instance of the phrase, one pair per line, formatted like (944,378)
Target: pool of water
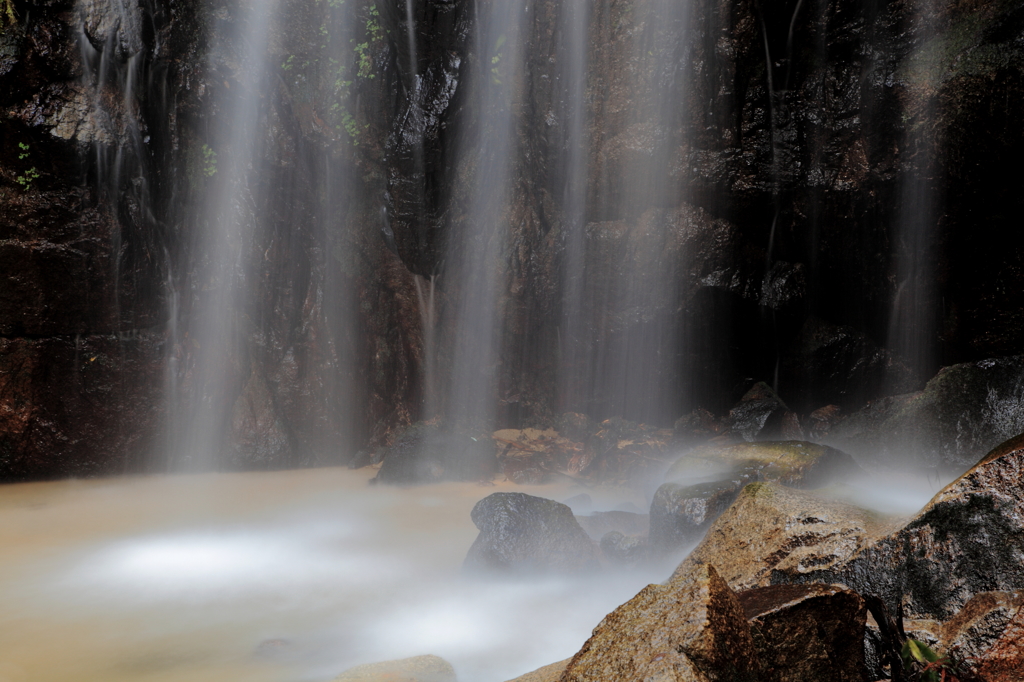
(286,576)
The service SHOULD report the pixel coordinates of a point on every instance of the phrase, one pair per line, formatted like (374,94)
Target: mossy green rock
(793,463)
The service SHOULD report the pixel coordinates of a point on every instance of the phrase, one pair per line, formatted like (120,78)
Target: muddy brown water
(286,577)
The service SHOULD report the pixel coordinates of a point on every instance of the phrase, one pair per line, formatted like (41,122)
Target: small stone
(415,669)
(680,515)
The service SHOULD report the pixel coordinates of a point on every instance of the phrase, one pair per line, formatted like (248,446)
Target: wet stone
(524,534)
(680,515)
(691,631)
(807,633)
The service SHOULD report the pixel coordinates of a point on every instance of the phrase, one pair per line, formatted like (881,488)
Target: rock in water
(793,463)
(415,669)
(680,514)
(425,453)
(525,534)
(773,534)
(549,673)
(968,539)
(693,630)
(807,633)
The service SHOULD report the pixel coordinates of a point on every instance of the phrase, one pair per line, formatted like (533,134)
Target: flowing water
(286,576)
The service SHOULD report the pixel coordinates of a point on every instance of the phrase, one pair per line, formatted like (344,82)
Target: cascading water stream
(476,249)
(226,221)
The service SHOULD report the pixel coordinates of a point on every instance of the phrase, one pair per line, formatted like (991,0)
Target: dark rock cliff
(745,200)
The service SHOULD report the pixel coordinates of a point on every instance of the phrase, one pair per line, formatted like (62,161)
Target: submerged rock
(415,669)
(425,453)
(772,534)
(691,630)
(521,533)
(807,633)
(968,539)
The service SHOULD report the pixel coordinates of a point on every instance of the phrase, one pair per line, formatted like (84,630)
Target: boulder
(792,463)
(759,414)
(691,630)
(968,539)
(1004,660)
(772,534)
(680,515)
(807,633)
(624,550)
(969,635)
(425,453)
(415,669)
(600,523)
(521,533)
(549,673)
(964,411)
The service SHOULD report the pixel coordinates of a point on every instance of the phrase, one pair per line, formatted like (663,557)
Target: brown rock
(1004,661)
(691,630)
(415,669)
(549,673)
(773,534)
(807,633)
(970,634)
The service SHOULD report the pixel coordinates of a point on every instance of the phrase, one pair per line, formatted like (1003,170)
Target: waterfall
(476,247)
(228,164)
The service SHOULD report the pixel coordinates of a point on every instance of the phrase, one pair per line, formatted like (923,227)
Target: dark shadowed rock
(963,412)
(415,669)
(968,539)
(692,630)
(680,515)
(695,427)
(627,523)
(807,633)
(624,550)
(521,533)
(772,534)
(758,415)
(425,453)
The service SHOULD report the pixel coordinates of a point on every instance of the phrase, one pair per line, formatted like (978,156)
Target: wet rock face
(84,406)
(963,412)
(680,515)
(773,534)
(981,623)
(521,533)
(692,631)
(807,633)
(967,540)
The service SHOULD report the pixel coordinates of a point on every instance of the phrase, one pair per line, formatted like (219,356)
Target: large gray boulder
(521,533)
